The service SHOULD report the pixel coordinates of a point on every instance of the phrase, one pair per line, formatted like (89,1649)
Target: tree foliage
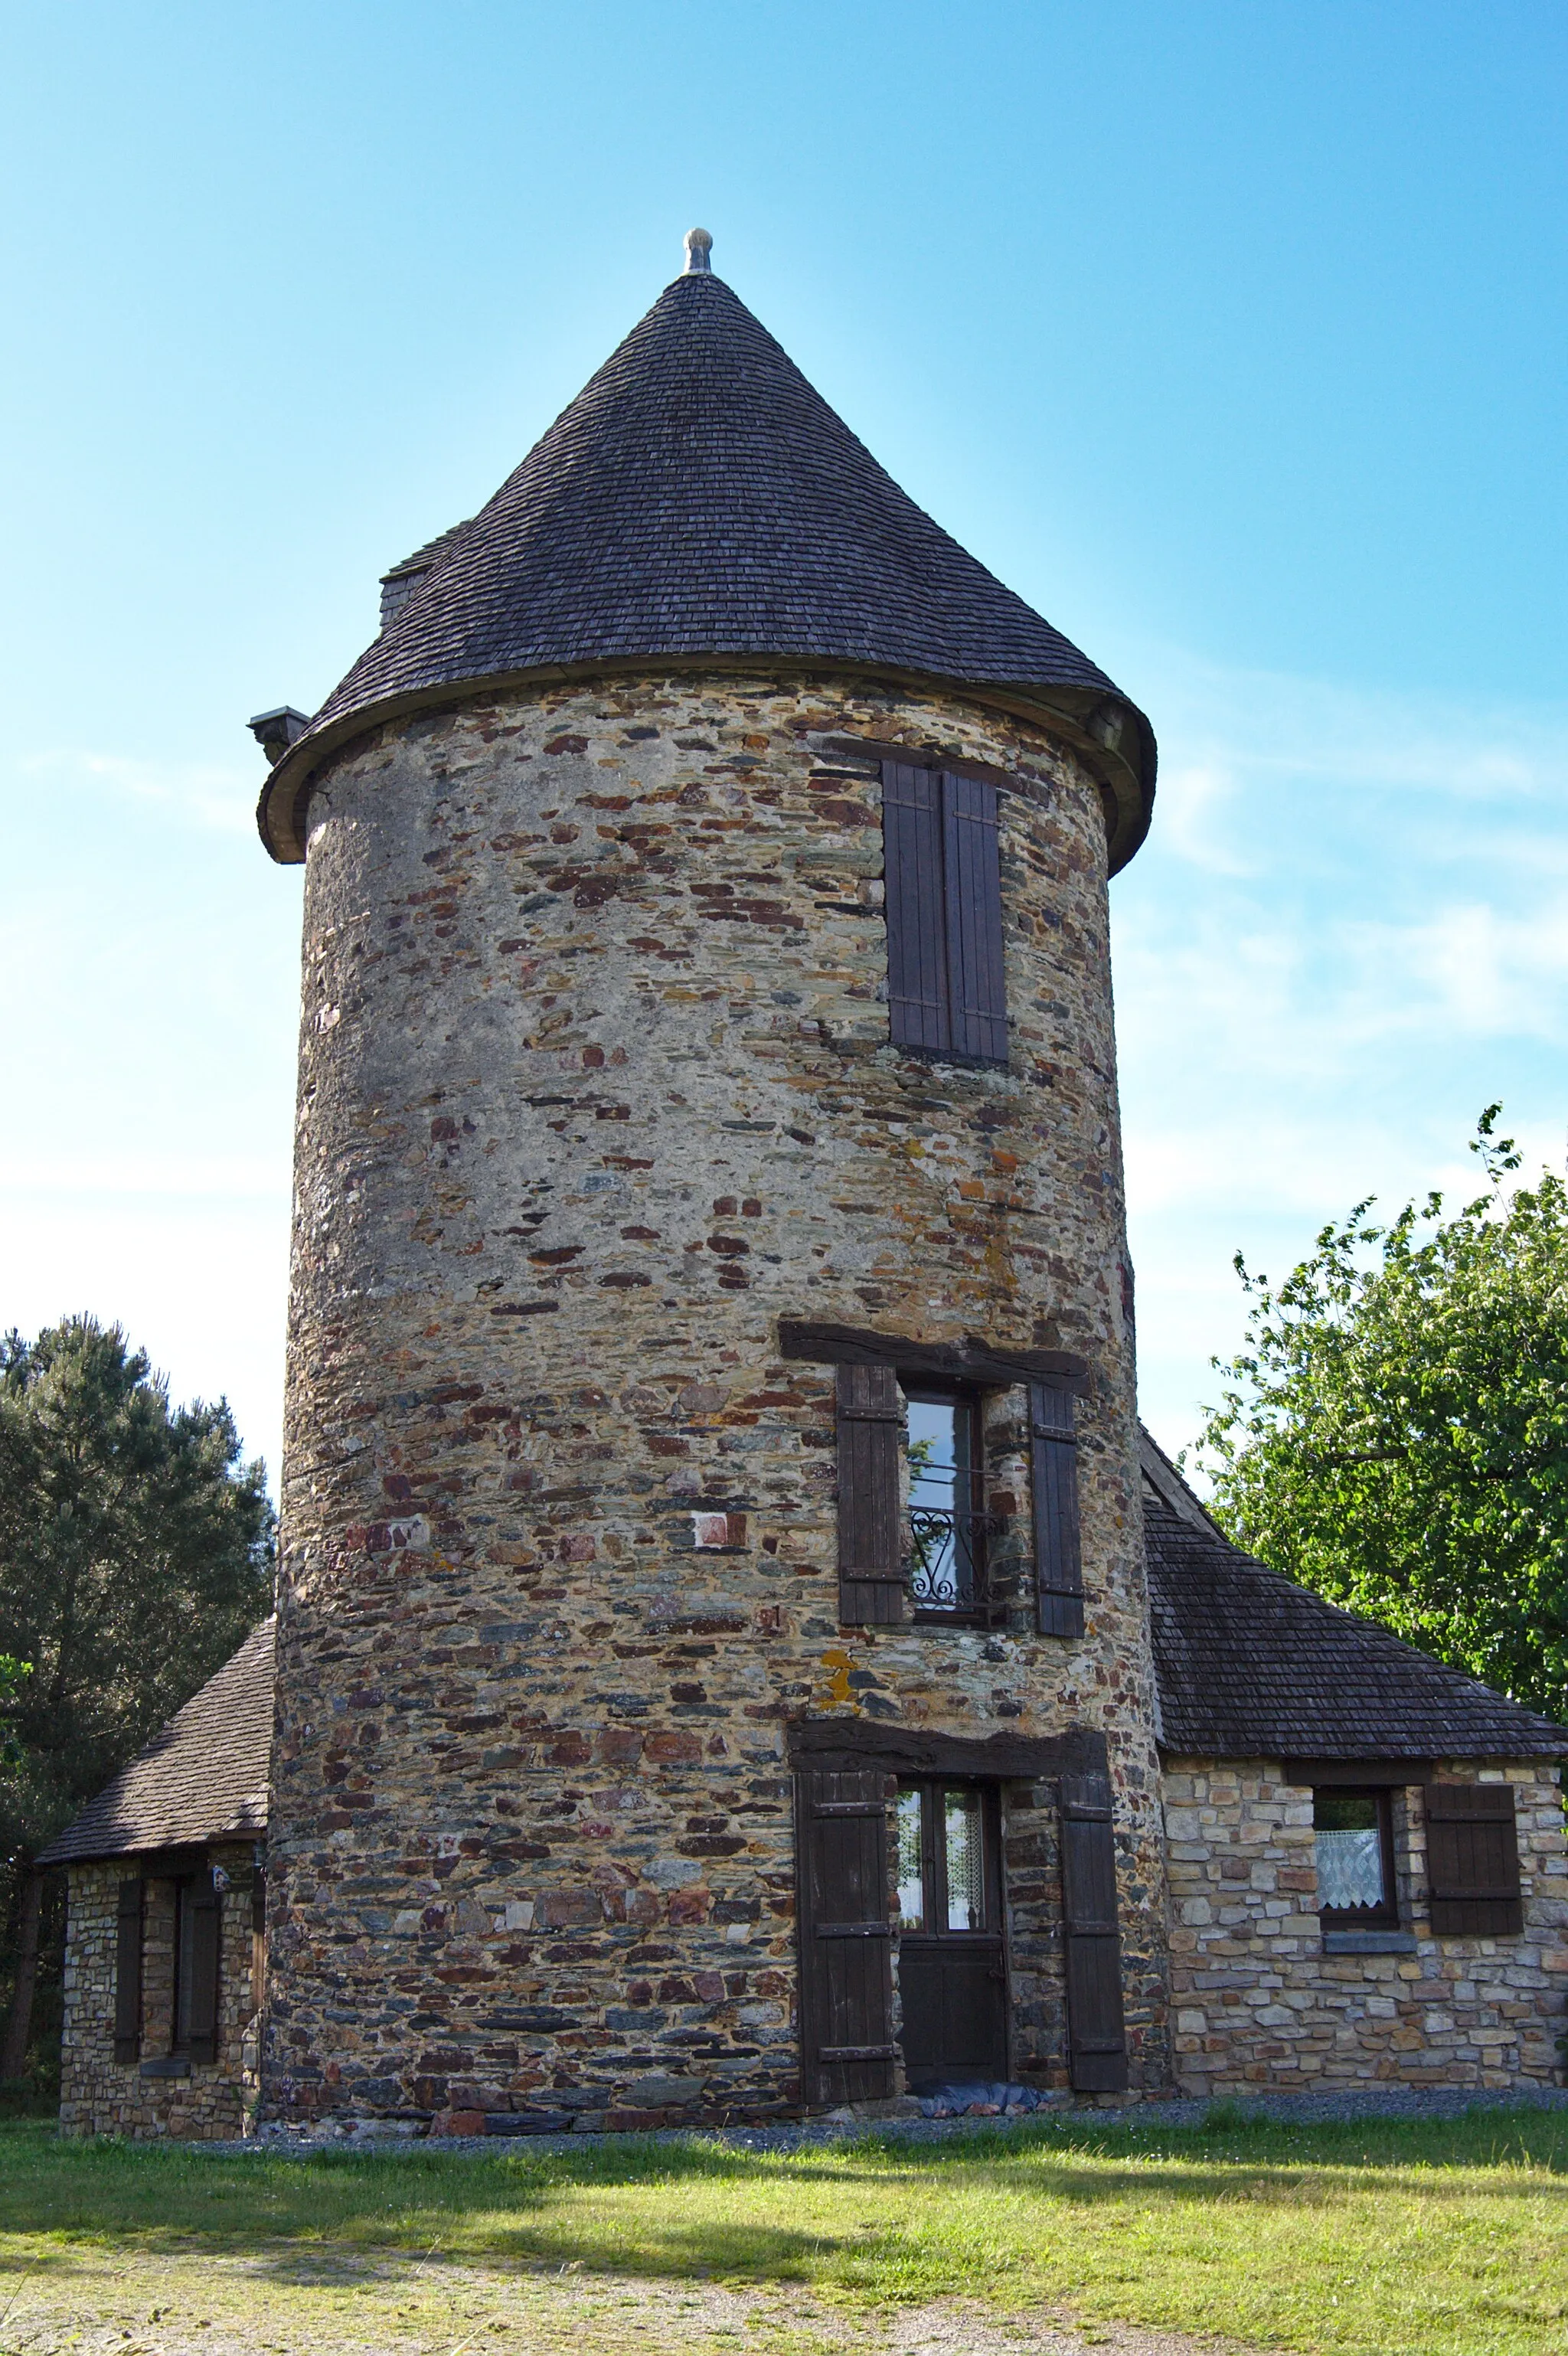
(136,1554)
(1395,1433)
(11,1675)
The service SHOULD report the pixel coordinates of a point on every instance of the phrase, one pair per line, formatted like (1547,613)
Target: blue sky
(1232,336)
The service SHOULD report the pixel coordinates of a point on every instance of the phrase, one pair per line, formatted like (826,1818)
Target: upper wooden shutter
(1097,2039)
(1472,1859)
(845,1934)
(870,1432)
(128,1973)
(976,992)
(942,867)
(1058,1563)
(204,1927)
(912,863)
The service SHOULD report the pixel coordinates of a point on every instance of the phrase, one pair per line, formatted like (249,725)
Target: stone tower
(713,1660)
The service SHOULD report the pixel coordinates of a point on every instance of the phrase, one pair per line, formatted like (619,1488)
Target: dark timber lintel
(917,756)
(969,1361)
(916,1750)
(1364,1772)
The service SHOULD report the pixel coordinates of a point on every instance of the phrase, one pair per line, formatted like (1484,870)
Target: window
(938,1553)
(1354,1842)
(943,869)
(946,1859)
(947,1486)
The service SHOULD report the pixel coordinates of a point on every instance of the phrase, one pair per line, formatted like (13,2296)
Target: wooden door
(951,1958)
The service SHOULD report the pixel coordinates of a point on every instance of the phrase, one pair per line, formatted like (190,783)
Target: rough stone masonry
(595,1088)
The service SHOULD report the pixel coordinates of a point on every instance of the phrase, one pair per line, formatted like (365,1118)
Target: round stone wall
(596,1087)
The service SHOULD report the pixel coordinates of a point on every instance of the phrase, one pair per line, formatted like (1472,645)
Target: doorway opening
(951,1958)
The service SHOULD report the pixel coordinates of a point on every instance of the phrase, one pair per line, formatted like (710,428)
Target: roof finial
(698,246)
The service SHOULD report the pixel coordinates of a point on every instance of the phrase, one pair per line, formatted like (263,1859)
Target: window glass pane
(933,1451)
(911,1875)
(963,1479)
(966,1861)
(941,1541)
(1349,1845)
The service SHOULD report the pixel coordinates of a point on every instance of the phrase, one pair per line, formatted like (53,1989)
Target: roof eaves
(1122,760)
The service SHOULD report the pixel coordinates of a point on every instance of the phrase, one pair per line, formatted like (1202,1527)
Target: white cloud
(1347,933)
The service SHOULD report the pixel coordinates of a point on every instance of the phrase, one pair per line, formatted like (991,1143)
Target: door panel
(954,2009)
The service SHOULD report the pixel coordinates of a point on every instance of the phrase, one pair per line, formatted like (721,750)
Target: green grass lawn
(1393,2238)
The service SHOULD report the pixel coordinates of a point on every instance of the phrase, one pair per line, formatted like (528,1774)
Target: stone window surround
(167,1877)
(997,1380)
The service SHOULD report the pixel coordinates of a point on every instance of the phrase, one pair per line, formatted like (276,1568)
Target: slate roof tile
(1249,1666)
(202,1777)
(699,499)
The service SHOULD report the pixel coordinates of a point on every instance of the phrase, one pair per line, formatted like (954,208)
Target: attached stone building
(715,1665)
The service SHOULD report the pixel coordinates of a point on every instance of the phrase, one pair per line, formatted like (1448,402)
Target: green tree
(1395,1433)
(11,1675)
(136,1554)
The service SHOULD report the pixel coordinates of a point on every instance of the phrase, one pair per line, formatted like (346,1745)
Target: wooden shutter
(258,1937)
(128,1973)
(1058,1564)
(1472,1860)
(976,997)
(205,1925)
(845,1934)
(1096,2040)
(942,867)
(912,846)
(870,1433)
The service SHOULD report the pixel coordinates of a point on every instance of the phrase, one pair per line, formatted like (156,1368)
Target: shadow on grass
(858,2214)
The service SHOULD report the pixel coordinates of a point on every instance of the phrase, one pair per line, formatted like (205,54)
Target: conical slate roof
(699,501)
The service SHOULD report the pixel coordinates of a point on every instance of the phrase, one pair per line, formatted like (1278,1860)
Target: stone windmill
(712,1649)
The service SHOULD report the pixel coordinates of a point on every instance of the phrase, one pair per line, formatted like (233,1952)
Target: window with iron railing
(914,1539)
(950,1540)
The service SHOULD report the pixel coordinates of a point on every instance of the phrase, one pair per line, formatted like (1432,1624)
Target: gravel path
(1365,2102)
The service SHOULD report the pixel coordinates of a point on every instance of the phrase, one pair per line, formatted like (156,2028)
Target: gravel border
(838,2128)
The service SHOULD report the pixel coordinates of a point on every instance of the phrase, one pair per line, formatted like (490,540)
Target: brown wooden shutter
(128,1973)
(1097,2039)
(976,994)
(1058,1563)
(1472,1860)
(942,869)
(206,1920)
(870,1432)
(845,1934)
(918,1012)
(258,1937)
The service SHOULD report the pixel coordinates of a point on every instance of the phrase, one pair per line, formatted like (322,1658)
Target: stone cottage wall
(102,2096)
(1255,2001)
(595,1086)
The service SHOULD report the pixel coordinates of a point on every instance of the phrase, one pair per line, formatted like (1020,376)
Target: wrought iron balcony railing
(947,1560)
